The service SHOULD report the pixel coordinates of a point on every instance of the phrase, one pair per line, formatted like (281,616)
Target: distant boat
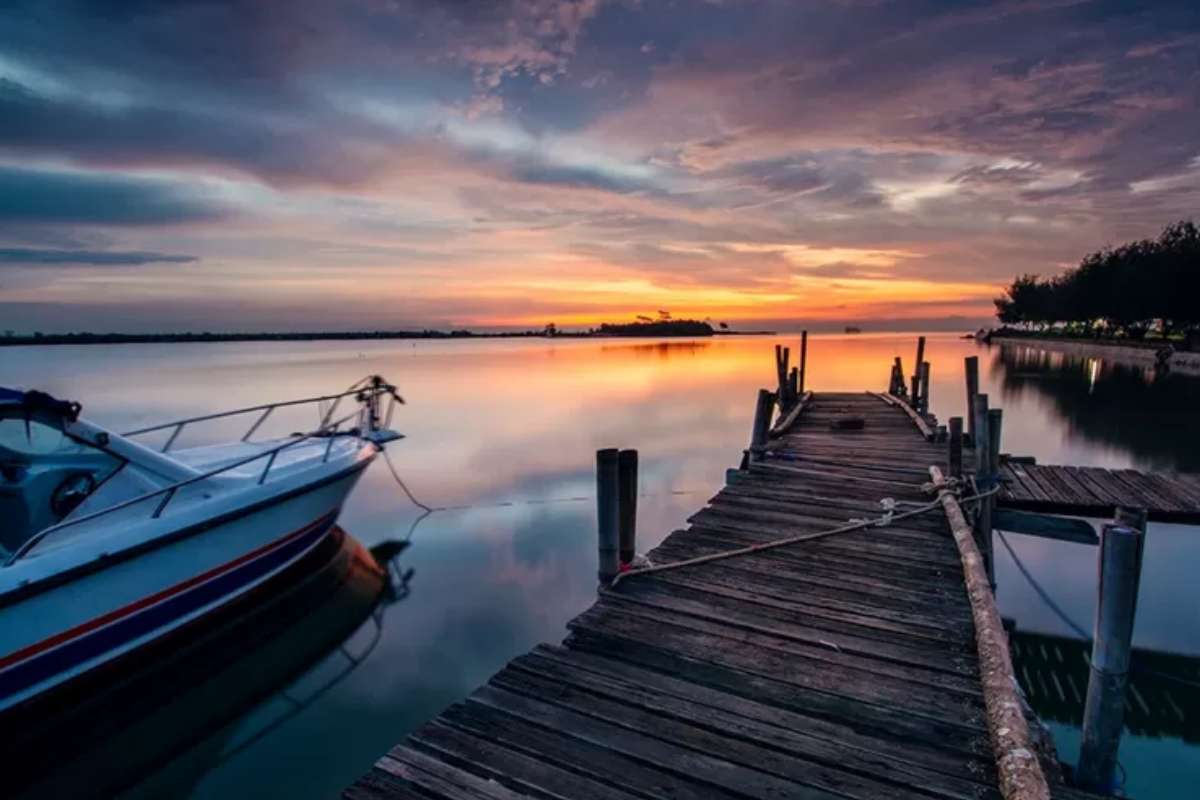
(108,546)
(852,329)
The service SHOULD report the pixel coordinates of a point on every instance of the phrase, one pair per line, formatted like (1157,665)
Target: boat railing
(329,429)
(369,391)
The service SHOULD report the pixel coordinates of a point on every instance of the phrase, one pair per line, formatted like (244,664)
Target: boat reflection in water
(154,727)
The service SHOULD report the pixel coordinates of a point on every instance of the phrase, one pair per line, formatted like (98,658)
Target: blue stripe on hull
(71,654)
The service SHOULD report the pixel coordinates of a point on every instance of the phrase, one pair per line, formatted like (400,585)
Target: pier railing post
(782,357)
(971,366)
(1121,550)
(924,401)
(916,385)
(803,363)
(956,445)
(995,424)
(607,513)
(762,423)
(984,481)
(627,494)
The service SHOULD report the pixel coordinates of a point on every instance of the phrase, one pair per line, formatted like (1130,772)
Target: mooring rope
(881,521)
(388,459)
(428,509)
(1073,625)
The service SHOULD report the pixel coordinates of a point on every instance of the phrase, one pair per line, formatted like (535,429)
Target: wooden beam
(790,418)
(1020,774)
(1047,526)
(922,424)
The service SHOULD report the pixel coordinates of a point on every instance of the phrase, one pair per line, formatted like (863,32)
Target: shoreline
(1133,354)
(61,339)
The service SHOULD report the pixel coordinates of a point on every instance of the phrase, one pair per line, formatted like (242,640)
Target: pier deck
(1095,492)
(839,667)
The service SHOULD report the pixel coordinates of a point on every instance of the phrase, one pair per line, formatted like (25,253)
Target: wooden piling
(956,445)
(803,362)
(971,367)
(984,480)
(916,388)
(923,402)
(898,370)
(607,513)
(785,398)
(995,423)
(627,495)
(780,372)
(1121,549)
(794,386)
(762,423)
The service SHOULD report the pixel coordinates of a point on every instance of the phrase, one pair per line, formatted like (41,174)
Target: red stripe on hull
(164,594)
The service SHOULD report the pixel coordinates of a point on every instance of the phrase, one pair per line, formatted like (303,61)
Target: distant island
(648,328)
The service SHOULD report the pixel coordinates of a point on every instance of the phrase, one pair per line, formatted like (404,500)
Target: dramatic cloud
(106,258)
(45,196)
(495,163)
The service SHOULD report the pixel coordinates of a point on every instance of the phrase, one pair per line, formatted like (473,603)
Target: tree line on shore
(661,327)
(1130,290)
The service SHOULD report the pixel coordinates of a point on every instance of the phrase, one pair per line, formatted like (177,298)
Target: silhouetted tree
(1129,289)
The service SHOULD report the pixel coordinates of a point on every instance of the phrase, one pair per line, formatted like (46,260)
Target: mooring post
(924,401)
(971,365)
(983,482)
(781,359)
(916,389)
(995,423)
(898,367)
(803,360)
(762,423)
(794,385)
(607,513)
(956,444)
(785,397)
(1120,556)
(627,495)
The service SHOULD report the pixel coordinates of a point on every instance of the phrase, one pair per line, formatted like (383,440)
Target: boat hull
(77,626)
(107,728)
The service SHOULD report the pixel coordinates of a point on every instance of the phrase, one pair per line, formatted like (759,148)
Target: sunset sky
(392,164)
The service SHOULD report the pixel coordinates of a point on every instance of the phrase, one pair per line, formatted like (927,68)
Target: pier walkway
(1095,492)
(842,667)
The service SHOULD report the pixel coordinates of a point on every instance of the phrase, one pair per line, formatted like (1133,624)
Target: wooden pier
(1096,492)
(845,666)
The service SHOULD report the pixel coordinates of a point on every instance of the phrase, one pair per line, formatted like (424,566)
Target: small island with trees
(1144,293)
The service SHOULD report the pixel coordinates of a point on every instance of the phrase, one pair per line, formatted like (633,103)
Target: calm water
(504,432)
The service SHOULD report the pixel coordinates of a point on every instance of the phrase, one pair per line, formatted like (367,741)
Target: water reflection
(501,438)
(1164,688)
(1109,404)
(663,350)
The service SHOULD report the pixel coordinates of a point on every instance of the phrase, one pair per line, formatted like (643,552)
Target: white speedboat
(110,546)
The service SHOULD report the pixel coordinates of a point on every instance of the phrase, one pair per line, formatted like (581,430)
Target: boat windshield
(44,475)
(31,437)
